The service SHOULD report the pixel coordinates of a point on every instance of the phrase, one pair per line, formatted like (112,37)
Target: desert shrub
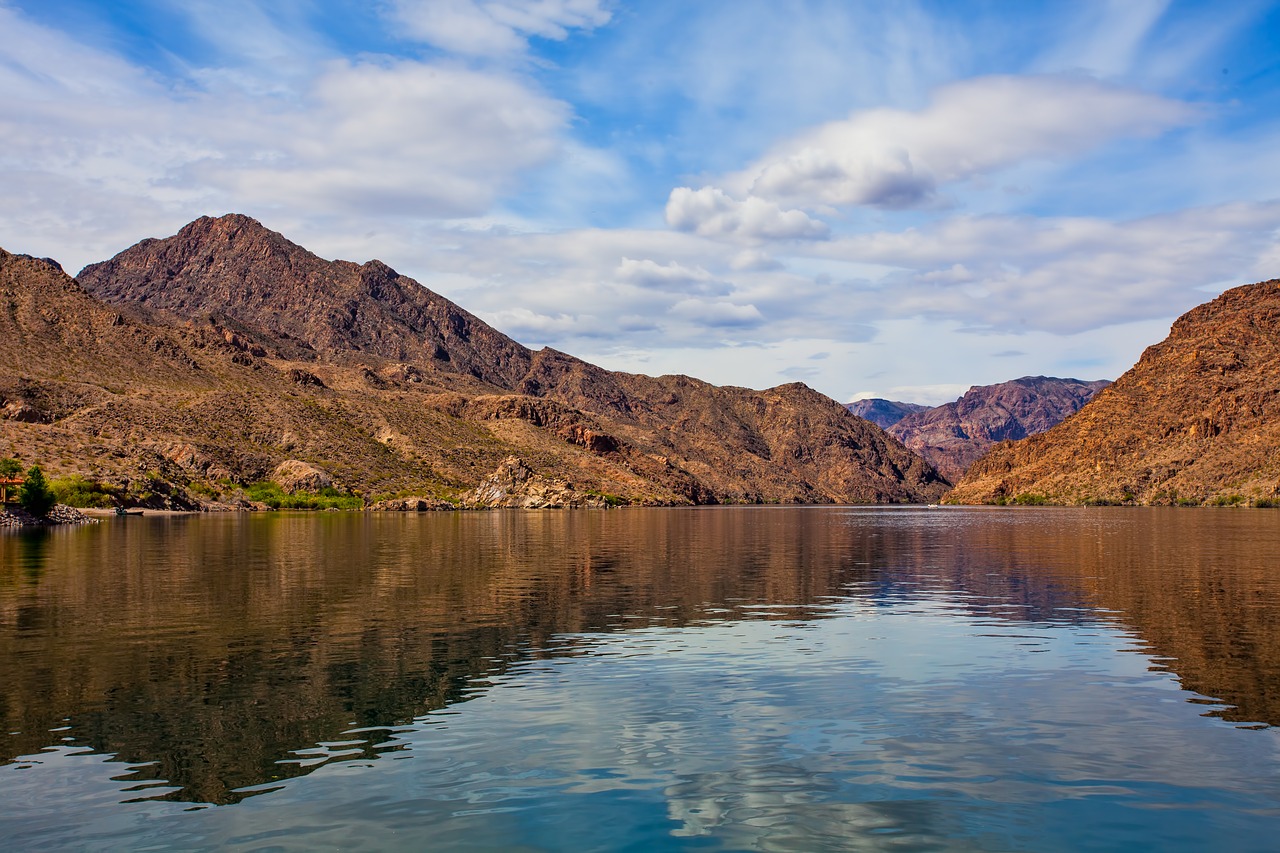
(273,496)
(204,490)
(10,467)
(1030,499)
(35,496)
(79,492)
(1227,500)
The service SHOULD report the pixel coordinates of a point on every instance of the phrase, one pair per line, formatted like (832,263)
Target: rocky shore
(12,516)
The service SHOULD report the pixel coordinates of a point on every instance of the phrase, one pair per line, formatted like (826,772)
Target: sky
(892,199)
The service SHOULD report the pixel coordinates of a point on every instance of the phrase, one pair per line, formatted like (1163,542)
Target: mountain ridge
(271,353)
(955,435)
(1195,420)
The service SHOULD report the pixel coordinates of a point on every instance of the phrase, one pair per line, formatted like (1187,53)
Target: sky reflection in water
(923,698)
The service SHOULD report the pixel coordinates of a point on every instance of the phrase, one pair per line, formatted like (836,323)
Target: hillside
(192,366)
(883,413)
(1196,420)
(955,435)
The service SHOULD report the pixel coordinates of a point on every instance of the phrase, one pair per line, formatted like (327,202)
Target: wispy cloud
(494,27)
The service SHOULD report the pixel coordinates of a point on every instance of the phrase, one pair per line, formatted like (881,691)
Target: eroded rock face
(514,484)
(1196,419)
(955,435)
(23,413)
(293,475)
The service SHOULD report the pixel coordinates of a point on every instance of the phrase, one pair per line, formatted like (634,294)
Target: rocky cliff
(1196,420)
(955,435)
(200,363)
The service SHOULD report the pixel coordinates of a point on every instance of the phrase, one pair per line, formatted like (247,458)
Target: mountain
(883,413)
(1196,420)
(191,366)
(953,436)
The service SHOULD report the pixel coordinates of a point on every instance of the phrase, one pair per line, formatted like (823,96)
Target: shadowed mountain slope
(1196,419)
(883,413)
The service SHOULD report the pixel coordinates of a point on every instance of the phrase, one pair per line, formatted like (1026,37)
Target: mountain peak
(235,267)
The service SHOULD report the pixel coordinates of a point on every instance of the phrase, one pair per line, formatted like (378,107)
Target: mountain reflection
(225,649)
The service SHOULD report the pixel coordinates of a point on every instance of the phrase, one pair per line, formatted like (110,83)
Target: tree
(8,467)
(34,496)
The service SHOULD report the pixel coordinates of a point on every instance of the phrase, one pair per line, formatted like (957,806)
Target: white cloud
(1064,275)
(495,27)
(717,313)
(83,131)
(669,276)
(897,159)
(709,212)
(754,259)
(406,137)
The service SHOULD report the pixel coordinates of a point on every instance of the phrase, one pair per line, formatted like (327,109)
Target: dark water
(719,679)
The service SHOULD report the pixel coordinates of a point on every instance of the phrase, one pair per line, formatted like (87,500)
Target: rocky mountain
(883,413)
(955,435)
(1196,420)
(189,367)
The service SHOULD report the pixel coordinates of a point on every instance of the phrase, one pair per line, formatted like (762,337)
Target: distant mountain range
(955,435)
(883,413)
(1196,420)
(185,368)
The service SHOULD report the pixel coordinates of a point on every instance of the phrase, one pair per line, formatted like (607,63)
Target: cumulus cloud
(893,158)
(374,138)
(709,212)
(673,275)
(404,136)
(495,27)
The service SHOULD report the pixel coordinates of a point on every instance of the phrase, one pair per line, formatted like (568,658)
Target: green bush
(1030,499)
(10,467)
(34,496)
(273,496)
(79,492)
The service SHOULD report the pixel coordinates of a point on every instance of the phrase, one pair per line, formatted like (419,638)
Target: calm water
(716,679)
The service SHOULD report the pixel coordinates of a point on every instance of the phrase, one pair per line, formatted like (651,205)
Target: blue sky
(890,199)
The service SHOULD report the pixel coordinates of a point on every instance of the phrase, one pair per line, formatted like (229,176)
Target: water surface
(709,679)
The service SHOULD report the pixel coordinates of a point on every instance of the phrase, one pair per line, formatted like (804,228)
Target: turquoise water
(718,679)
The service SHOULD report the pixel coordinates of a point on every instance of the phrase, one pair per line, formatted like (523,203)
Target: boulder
(514,484)
(294,475)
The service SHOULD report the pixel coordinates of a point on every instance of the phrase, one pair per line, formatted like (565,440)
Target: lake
(764,678)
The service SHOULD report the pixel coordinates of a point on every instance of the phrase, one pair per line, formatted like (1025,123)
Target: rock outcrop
(294,475)
(515,485)
(955,435)
(12,516)
(1196,420)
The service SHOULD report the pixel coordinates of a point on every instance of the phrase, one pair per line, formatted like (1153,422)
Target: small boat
(122,511)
